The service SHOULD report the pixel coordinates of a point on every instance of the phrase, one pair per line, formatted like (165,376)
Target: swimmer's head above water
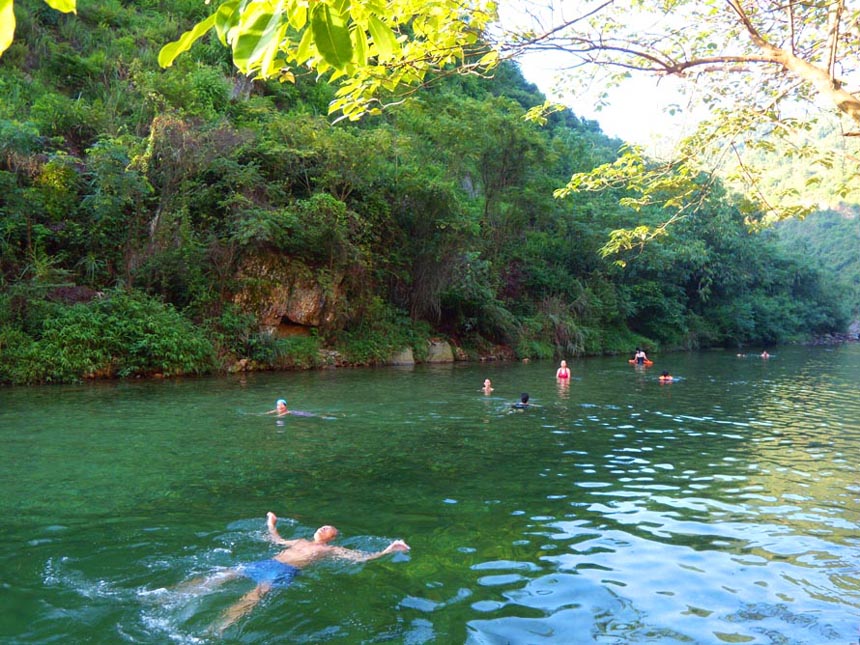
(325,534)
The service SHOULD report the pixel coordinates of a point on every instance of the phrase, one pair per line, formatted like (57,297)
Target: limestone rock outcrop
(440,351)
(286,296)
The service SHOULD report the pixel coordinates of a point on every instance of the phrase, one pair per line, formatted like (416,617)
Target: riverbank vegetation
(829,239)
(190,220)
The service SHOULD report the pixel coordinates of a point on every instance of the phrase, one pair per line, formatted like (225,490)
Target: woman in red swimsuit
(563,371)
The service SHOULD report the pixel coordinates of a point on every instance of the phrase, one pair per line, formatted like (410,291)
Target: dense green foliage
(119,334)
(174,193)
(830,240)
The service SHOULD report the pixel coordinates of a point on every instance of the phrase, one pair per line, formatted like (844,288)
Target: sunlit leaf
(305,49)
(331,36)
(260,42)
(252,37)
(489,59)
(7,24)
(227,20)
(297,14)
(66,6)
(383,38)
(359,42)
(170,51)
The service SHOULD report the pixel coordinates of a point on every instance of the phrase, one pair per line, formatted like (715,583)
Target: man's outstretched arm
(274,536)
(364,556)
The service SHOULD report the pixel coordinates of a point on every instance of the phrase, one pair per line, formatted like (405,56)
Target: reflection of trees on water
(806,449)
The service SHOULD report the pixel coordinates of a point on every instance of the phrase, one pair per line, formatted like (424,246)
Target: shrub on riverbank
(127,333)
(240,344)
(379,332)
(120,334)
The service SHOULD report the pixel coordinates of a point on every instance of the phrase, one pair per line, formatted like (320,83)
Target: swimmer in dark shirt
(523,403)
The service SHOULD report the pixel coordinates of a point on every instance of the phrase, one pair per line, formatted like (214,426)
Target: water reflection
(722,509)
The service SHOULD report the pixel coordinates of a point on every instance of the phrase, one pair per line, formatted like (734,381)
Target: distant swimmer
(488,386)
(665,377)
(280,408)
(639,357)
(764,354)
(563,371)
(282,411)
(523,403)
(280,570)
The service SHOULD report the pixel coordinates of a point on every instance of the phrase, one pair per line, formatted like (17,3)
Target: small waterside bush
(122,334)
(549,334)
(614,341)
(531,348)
(14,348)
(382,330)
(298,352)
(267,351)
(237,336)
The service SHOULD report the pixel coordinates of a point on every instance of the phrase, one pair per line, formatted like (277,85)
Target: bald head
(325,534)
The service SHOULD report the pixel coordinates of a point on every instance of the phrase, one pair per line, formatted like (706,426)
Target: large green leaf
(384,39)
(7,18)
(359,42)
(170,51)
(265,57)
(259,39)
(66,6)
(298,15)
(7,24)
(331,36)
(227,20)
(303,52)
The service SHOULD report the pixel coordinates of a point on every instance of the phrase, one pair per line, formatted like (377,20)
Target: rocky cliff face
(287,296)
(852,334)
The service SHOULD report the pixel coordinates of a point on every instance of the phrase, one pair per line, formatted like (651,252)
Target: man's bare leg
(207,582)
(242,606)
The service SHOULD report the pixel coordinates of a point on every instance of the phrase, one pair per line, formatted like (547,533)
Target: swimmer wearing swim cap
(280,408)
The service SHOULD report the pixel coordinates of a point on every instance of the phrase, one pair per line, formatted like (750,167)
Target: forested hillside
(150,217)
(830,239)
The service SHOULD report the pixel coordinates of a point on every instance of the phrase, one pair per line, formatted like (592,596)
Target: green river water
(721,508)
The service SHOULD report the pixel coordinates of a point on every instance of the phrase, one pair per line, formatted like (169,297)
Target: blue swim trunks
(271,572)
